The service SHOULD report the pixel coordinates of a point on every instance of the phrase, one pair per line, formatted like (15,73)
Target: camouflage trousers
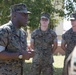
(10,68)
(38,69)
(9,71)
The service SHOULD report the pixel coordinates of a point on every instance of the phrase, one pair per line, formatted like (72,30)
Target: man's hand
(27,55)
(32,53)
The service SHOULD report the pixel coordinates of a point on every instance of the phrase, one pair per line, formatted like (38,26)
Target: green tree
(69,6)
(54,7)
(5,9)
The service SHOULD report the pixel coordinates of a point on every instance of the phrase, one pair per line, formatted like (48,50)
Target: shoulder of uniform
(35,31)
(68,32)
(52,31)
(5,27)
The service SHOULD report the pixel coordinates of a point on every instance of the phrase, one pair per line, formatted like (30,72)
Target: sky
(66,24)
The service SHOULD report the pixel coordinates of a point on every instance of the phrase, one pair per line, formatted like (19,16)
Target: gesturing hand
(27,54)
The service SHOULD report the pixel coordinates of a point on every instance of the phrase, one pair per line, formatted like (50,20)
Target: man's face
(44,22)
(73,23)
(22,18)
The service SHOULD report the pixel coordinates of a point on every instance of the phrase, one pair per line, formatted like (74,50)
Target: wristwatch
(20,56)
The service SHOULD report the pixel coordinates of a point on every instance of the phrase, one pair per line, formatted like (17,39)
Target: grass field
(58,65)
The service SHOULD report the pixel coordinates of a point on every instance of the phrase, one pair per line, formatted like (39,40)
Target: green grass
(58,65)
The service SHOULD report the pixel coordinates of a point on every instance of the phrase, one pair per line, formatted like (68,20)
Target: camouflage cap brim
(24,11)
(72,19)
(44,17)
(73,16)
(19,8)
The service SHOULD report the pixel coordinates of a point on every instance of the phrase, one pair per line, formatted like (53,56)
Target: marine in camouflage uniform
(10,38)
(43,59)
(13,40)
(69,39)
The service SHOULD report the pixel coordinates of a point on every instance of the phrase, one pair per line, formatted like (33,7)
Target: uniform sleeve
(24,35)
(3,37)
(32,40)
(63,41)
(54,36)
(63,38)
(33,34)
(55,40)
(32,37)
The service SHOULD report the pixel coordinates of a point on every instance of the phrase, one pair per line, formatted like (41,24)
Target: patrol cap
(21,7)
(73,16)
(45,15)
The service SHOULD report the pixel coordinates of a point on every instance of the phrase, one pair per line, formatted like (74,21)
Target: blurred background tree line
(54,7)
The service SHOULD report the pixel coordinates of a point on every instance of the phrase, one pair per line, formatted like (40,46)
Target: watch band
(20,56)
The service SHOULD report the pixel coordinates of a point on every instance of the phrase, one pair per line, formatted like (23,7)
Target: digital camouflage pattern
(21,7)
(43,59)
(14,40)
(70,39)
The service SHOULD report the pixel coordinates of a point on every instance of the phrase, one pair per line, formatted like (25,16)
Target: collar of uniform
(45,32)
(71,31)
(14,29)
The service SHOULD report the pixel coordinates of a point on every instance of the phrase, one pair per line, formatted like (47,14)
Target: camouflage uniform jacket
(43,45)
(13,42)
(70,40)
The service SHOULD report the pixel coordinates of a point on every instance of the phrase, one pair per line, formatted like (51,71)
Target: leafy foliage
(69,6)
(54,7)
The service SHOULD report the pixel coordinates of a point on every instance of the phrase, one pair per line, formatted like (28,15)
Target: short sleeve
(33,34)
(63,38)
(54,35)
(55,40)
(3,37)
(63,41)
